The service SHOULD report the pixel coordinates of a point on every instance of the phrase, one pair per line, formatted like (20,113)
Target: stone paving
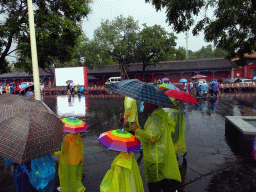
(210,165)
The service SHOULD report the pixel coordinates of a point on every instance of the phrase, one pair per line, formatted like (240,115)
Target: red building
(245,67)
(174,70)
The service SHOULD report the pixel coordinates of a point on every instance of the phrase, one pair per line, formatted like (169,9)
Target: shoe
(58,188)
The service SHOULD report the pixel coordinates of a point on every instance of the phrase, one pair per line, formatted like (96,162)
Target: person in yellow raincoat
(124,175)
(160,163)
(71,163)
(130,113)
(178,122)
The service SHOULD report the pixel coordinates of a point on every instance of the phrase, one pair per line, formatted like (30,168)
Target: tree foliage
(233,28)
(57,27)
(116,40)
(153,45)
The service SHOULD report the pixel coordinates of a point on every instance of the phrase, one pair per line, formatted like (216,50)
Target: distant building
(174,70)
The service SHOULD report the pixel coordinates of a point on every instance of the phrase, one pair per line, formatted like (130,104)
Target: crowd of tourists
(203,89)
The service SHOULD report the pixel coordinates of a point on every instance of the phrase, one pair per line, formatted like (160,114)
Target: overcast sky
(141,11)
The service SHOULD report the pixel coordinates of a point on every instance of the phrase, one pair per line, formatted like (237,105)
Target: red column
(85,80)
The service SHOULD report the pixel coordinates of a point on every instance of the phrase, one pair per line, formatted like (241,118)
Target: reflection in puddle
(75,105)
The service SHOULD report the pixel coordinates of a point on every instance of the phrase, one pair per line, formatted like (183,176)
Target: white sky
(141,11)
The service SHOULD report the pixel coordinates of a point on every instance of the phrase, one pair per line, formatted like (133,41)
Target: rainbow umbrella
(166,86)
(74,125)
(120,140)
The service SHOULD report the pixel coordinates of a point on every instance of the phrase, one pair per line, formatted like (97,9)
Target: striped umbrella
(120,140)
(166,86)
(74,125)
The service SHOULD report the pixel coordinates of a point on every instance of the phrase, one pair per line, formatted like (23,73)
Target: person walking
(204,88)
(198,89)
(71,163)
(34,175)
(191,87)
(178,122)
(130,113)
(68,87)
(213,88)
(160,163)
(124,175)
(185,87)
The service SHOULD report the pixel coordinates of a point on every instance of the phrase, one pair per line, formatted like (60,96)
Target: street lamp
(33,50)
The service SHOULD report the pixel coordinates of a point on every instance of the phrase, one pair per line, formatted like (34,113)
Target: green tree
(180,53)
(233,29)
(154,44)
(57,25)
(116,40)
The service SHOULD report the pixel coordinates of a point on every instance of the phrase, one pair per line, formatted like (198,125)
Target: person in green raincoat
(71,163)
(124,175)
(178,122)
(160,162)
(130,113)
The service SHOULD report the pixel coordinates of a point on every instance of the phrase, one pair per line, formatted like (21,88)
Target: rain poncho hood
(178,122)
(158,151)
(71,163)
(124,175)
(130,109)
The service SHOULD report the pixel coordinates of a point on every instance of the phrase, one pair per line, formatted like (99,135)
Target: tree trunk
(4,54)
(122,72)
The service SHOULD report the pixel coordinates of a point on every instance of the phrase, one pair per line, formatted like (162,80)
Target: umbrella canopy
(166,86)
(198,76)
(120,140)
(254,78)
(183,80)
(181,96)
(141,91)
(74,125)
(69,81)
(28,129)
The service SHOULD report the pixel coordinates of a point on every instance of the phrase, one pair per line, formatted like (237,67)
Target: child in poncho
(124,175)
(71,163)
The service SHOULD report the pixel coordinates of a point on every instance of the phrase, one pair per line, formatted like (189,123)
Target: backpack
(42,171)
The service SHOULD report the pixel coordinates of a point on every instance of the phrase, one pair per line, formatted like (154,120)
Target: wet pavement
(211,164)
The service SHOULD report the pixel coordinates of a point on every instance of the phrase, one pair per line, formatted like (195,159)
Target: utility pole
(186,45)
(33,51)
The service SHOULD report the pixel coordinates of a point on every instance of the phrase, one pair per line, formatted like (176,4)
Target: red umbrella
(181,96)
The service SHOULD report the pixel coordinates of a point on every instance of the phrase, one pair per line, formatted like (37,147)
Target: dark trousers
(165,185)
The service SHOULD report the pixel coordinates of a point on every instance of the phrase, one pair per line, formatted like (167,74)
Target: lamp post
(33,51)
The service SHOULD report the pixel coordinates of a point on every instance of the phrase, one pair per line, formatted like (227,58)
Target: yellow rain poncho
(158,151)
(71,163)
(124,175)
(130,109)
(178,122)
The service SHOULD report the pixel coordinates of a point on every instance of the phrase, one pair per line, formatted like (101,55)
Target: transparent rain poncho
(71,163)
(160,161)
(130,109)
(124,175)
(178,122)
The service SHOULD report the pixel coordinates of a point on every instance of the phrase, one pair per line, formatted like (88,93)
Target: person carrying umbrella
(124,175)
(160,163)
(71,157)
(130,113)
(213,88)
(178,122)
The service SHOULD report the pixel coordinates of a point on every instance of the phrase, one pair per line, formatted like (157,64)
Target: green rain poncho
(71,163)
(158,151)
(124,175)
(178,122)
(130,109)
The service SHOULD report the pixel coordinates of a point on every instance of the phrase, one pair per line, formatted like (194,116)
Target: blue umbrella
(141,91)
(254,78)
(183,80)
